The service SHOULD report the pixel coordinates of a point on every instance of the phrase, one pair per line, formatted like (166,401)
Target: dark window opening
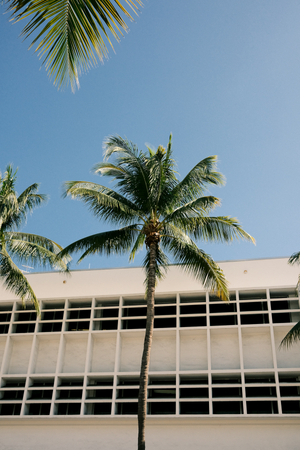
(250,319)
(134,312)
(53,305)
(162,381)
(134,324)
(289,378)
(291,407)
(69,393)
(224,307)
(161,408)
(100,382)
(161,393)
(128,382)
(99,393)
(78,326)
(25,316)
(217,379)
(165,323)
(250,295)
(193,380)
(223,320)
(193,321)
(39,409)
(80,314)
(191,299)
(40,394)
(261,391)
(106,313)
(10,409)
(227,392)
(50,327)
(105,325)
(194,393)
(25,328)
(194,408)
(4,329)
(82,305)
(227,407)
(164,310)
(12,395)
(193,309)
(289,391)
(5,317)
(52,315)
(41,382)
(126,408)
(283,293)
(68,409)
(71,382)
(259,379)
(98,409)
(268,407)
(253,306)
(127,393)
(14,383)
(286,317)
(164,301)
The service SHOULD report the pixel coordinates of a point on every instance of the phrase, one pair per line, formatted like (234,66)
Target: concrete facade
(217,376)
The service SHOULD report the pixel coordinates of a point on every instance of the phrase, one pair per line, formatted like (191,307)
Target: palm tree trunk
(142,400)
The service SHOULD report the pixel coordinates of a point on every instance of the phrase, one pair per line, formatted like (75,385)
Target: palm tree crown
(152,207)
(23,247)
(70,34)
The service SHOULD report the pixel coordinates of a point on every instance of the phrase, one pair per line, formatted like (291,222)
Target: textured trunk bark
(142,400)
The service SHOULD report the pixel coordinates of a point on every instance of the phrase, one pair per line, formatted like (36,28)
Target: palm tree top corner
(152,207)
(71,36)
(18,247)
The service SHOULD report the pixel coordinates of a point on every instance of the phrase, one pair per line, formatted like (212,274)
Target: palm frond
(291,337)
(199,206)
(71,34)
(103,202)
(106,243)
(197,180)
(15,281)
(137,246)
(214,229)
(35,249)
(135,164)
(295,258)
(195,261)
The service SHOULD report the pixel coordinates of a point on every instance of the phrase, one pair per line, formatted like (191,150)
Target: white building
(217,376)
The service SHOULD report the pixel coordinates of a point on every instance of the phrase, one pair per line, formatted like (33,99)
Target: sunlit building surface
(218,378)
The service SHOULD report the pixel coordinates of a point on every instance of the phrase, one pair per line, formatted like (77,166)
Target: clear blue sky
(222,75)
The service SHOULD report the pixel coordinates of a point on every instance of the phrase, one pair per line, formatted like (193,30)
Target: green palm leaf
(219,229)
(295,258)
(32,248)
(106,243)
(291,337)
(24,247)
(103,202)
(15,281)
(195,261)
(71,34)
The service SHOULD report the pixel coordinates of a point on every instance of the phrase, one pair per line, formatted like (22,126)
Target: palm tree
(24,247)
(294,334)
(70,34)
(156,209)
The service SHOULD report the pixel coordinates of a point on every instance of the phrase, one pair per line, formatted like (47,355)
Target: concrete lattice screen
(209,358)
